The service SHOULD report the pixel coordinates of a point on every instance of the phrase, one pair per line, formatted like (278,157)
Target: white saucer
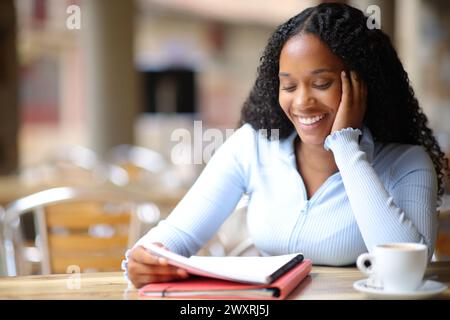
(428,289)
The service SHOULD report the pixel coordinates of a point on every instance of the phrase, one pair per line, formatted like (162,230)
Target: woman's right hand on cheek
(144,268)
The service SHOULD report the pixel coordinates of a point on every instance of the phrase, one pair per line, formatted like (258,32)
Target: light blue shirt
(382,193)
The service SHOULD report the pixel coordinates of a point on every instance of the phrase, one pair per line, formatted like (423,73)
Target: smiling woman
(311,93)
(356,165)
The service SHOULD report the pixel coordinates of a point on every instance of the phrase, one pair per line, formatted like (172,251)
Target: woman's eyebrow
(317,71)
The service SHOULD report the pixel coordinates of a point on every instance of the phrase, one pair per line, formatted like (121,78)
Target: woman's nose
(303,98)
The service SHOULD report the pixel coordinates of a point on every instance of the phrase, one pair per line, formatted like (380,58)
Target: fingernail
(163,261)
(182,273)
(343,74)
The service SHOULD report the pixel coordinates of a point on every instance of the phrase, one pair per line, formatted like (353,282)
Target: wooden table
(323,283)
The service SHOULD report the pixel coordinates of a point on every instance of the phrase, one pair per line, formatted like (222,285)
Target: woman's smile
(311,121)
(311,125)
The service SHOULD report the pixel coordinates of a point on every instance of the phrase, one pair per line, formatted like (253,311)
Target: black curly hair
(393,113)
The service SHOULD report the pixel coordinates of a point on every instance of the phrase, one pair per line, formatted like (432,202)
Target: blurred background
(91,91)
(135,70)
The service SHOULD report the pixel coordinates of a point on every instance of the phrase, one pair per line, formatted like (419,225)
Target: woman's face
(310,86)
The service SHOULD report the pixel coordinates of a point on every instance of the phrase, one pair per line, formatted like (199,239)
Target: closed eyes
(288,89)
(321,86)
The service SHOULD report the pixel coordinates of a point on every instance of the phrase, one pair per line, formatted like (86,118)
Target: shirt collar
(366,143)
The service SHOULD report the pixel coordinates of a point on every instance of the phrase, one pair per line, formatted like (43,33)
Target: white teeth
(310,121)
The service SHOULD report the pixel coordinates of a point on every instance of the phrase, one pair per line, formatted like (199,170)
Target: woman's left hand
(352,107)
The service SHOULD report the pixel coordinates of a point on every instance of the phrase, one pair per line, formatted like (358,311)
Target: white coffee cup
(395,267)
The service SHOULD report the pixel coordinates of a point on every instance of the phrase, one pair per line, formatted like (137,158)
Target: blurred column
(425,34)
(408,44)
(107,27)
(9,109)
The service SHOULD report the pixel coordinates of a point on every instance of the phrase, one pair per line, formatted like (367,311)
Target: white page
(255,270)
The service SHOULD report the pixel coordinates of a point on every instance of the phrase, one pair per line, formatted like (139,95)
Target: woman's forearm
(377,211)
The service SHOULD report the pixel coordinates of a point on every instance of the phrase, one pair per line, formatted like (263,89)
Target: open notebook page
(257,270)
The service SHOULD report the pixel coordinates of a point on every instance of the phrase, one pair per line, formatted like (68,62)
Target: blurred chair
(2,247)
(145,167)
(74,165)
(232,238)
(82,228)
(135,158)
(442,249)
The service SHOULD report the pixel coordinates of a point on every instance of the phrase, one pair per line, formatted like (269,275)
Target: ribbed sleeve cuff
(341,137)
(345,146)
(124,265)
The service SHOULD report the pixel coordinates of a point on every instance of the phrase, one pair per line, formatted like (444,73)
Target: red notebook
(197,287)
